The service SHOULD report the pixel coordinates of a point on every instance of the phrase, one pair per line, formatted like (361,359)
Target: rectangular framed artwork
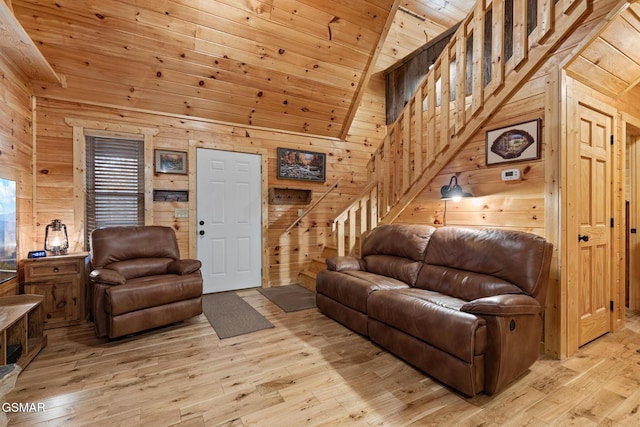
(301,165)
(170,161)
(515,143)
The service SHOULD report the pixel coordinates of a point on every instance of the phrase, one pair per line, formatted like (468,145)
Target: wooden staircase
(307,277)
(464,88)
(473,75)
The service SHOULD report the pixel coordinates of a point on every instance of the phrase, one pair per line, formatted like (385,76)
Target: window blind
(114,182)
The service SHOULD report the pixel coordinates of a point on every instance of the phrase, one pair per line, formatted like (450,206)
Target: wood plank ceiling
(293,65)
(610,62)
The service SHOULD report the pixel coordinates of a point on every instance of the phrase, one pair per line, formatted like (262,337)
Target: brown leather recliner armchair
(139,281)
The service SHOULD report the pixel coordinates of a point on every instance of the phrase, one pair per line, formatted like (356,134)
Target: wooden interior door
(633,217)
(589,193)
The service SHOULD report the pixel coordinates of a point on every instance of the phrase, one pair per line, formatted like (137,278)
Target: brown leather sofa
(139,281)
(463,305)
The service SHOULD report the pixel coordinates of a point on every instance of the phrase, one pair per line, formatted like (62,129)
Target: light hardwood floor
(308,370)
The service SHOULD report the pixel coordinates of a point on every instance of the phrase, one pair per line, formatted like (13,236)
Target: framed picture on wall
(515,143)
(170,161)
(302,165)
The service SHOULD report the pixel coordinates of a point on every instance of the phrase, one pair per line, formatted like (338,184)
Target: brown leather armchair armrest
(184,266)
(345,263)
(105,276)
(503,305)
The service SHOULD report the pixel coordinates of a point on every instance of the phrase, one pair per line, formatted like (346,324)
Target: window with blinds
(114,182)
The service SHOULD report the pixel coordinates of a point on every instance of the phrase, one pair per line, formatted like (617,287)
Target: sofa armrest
(105,276)
(514,336)
(184,266)
(503,305)
(345,263)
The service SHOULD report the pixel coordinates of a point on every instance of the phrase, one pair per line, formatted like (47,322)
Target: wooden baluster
(545,19)
(374,208)
(352,230)
(520,37)
(431,119)
(418,147)
(461,81)
(395,149)
(386,181)
(497,47)
(445,90)
(340,237)
(406,150)
(364,226)
(477,96)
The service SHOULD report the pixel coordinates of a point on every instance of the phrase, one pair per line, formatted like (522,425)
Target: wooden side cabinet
(62,281)
(21,328)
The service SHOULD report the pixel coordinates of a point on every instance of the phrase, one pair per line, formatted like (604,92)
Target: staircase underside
(429,133)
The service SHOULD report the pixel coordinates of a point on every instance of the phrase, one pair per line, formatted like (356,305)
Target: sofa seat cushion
(352,288)
(433,318)
(152,291)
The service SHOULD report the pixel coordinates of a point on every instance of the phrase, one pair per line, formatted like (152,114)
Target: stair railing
(313,205)
(468,82)
(360,216)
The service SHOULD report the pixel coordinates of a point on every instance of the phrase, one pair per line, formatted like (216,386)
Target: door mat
(231,316)
(290,297)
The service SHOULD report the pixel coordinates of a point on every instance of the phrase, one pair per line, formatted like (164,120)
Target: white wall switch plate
(181,213)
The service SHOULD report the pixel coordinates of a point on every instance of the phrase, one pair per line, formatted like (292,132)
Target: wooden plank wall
(288,253)
(517,205)
(16,150)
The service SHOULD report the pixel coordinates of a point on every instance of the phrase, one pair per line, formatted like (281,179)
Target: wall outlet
(300,212)
(181,213)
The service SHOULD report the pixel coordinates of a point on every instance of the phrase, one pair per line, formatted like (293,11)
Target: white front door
(229,223)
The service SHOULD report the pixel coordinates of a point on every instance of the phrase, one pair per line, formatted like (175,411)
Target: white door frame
(193,145)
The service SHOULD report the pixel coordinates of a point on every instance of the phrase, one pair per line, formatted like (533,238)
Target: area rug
(231,316)
(290,297)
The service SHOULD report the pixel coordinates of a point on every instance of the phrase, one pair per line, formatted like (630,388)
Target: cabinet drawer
(49,270)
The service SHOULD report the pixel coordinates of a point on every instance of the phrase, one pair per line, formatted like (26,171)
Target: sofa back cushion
(134,246)
(487,261)
(465,285)
(397,250)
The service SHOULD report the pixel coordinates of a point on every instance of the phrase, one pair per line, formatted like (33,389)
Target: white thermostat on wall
(510,174)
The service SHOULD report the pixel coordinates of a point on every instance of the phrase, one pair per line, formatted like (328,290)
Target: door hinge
(611,305)
(611,222)
(611,139)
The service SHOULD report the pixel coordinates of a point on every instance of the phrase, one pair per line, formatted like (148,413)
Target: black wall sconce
(454,192)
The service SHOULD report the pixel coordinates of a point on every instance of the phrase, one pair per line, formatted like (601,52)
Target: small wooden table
(21,323)
(61,280)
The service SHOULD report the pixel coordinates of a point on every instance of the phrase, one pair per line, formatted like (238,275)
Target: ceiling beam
(368,71)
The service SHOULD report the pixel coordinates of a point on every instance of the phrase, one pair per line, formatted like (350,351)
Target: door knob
(201,222)
(584,238)
(202,232)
